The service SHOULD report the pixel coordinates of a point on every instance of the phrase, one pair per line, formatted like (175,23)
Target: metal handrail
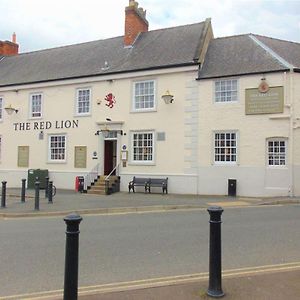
(91,176)
(114,169)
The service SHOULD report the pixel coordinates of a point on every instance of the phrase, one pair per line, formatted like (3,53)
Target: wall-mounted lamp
(9,109)
(167,97)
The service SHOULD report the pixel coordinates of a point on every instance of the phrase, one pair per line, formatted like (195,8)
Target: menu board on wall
(270,102)
(80,157)
(23,156)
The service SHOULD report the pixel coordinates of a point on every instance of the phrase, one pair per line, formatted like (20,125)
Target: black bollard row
(215,252)
(3,195)
(23,191)
(71,258)
(37,196)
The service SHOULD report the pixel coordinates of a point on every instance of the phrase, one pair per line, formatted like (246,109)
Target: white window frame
(143,96)
(1,108)
(133,146)
(275,157)
(40,112)
(224,148)
(223,89)
(89,101)
(57,160)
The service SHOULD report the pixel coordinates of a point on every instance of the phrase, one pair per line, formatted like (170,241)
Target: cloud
(43,24)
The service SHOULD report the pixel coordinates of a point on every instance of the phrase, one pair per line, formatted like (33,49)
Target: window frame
(85,113)
(142,162)
(31,116)
(50,160)
(134,96)
(231,153)
(225,81)
(279,158)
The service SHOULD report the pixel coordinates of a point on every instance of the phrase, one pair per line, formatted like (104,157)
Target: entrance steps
(101,187)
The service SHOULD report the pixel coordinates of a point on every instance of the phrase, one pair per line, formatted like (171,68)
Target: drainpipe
(291,133)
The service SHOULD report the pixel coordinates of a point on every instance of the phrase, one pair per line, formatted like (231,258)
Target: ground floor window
(57,147)
(225,147)
(277,152)
(142,147)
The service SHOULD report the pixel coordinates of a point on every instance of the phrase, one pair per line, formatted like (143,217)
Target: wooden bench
(137,181)
(158,182)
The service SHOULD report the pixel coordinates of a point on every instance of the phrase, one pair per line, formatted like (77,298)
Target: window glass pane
(225,147)
(142,145)
(276,152)
(57,147)
(83,101)
(144,95)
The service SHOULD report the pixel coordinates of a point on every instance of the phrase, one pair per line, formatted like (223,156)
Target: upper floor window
(1,108)
(226,90)
(35,105)
(225,147)
(144,95)
(142,147)
(83,101)
(57,148)
(277,152)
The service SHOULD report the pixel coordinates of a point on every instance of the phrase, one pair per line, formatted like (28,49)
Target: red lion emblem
(111,100)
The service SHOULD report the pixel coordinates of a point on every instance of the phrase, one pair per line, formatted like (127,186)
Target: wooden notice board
(23,156)
(80,157)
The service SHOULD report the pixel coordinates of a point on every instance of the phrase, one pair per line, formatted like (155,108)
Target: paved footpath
(269,283)
(69,201)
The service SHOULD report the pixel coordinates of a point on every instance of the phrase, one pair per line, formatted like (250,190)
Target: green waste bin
(33,174)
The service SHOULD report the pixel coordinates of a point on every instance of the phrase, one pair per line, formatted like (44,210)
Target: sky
(43,24)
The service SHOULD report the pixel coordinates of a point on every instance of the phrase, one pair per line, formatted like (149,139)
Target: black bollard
(50,192)
(37,196)
(71,259)
(215,252)
(3,196)
(23,191)
(46,187)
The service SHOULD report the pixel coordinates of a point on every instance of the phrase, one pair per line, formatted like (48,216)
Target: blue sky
(41,24)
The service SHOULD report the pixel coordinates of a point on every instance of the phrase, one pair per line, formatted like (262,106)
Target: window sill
(143,110)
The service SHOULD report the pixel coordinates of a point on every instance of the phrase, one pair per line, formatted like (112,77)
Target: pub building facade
(174,102)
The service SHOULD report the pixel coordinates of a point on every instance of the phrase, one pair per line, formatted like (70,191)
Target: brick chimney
(135,22)
(8,48)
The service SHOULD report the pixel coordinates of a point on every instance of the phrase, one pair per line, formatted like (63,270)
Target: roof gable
(237,55)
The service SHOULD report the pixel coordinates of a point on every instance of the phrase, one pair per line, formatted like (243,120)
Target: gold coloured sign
(270,102)
(80,157)
(23,156)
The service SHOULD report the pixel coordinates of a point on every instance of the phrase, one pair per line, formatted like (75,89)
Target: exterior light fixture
(9,109)
(167,97)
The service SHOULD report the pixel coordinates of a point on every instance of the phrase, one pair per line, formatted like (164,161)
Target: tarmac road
(127,247)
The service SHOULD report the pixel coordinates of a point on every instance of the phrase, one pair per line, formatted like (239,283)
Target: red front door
(109,156)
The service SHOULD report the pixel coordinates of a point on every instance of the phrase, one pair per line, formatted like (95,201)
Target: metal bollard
(215,251)
(3,196)
(37,196)
(50,192)
(71,259)
(46,187)
(23,191)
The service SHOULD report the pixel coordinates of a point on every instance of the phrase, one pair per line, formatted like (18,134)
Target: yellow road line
(156,282)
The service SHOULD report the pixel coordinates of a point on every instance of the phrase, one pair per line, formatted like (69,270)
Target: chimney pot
(14,38)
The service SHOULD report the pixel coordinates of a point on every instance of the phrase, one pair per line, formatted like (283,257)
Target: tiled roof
(237,55)
(289,51)
(154,49)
